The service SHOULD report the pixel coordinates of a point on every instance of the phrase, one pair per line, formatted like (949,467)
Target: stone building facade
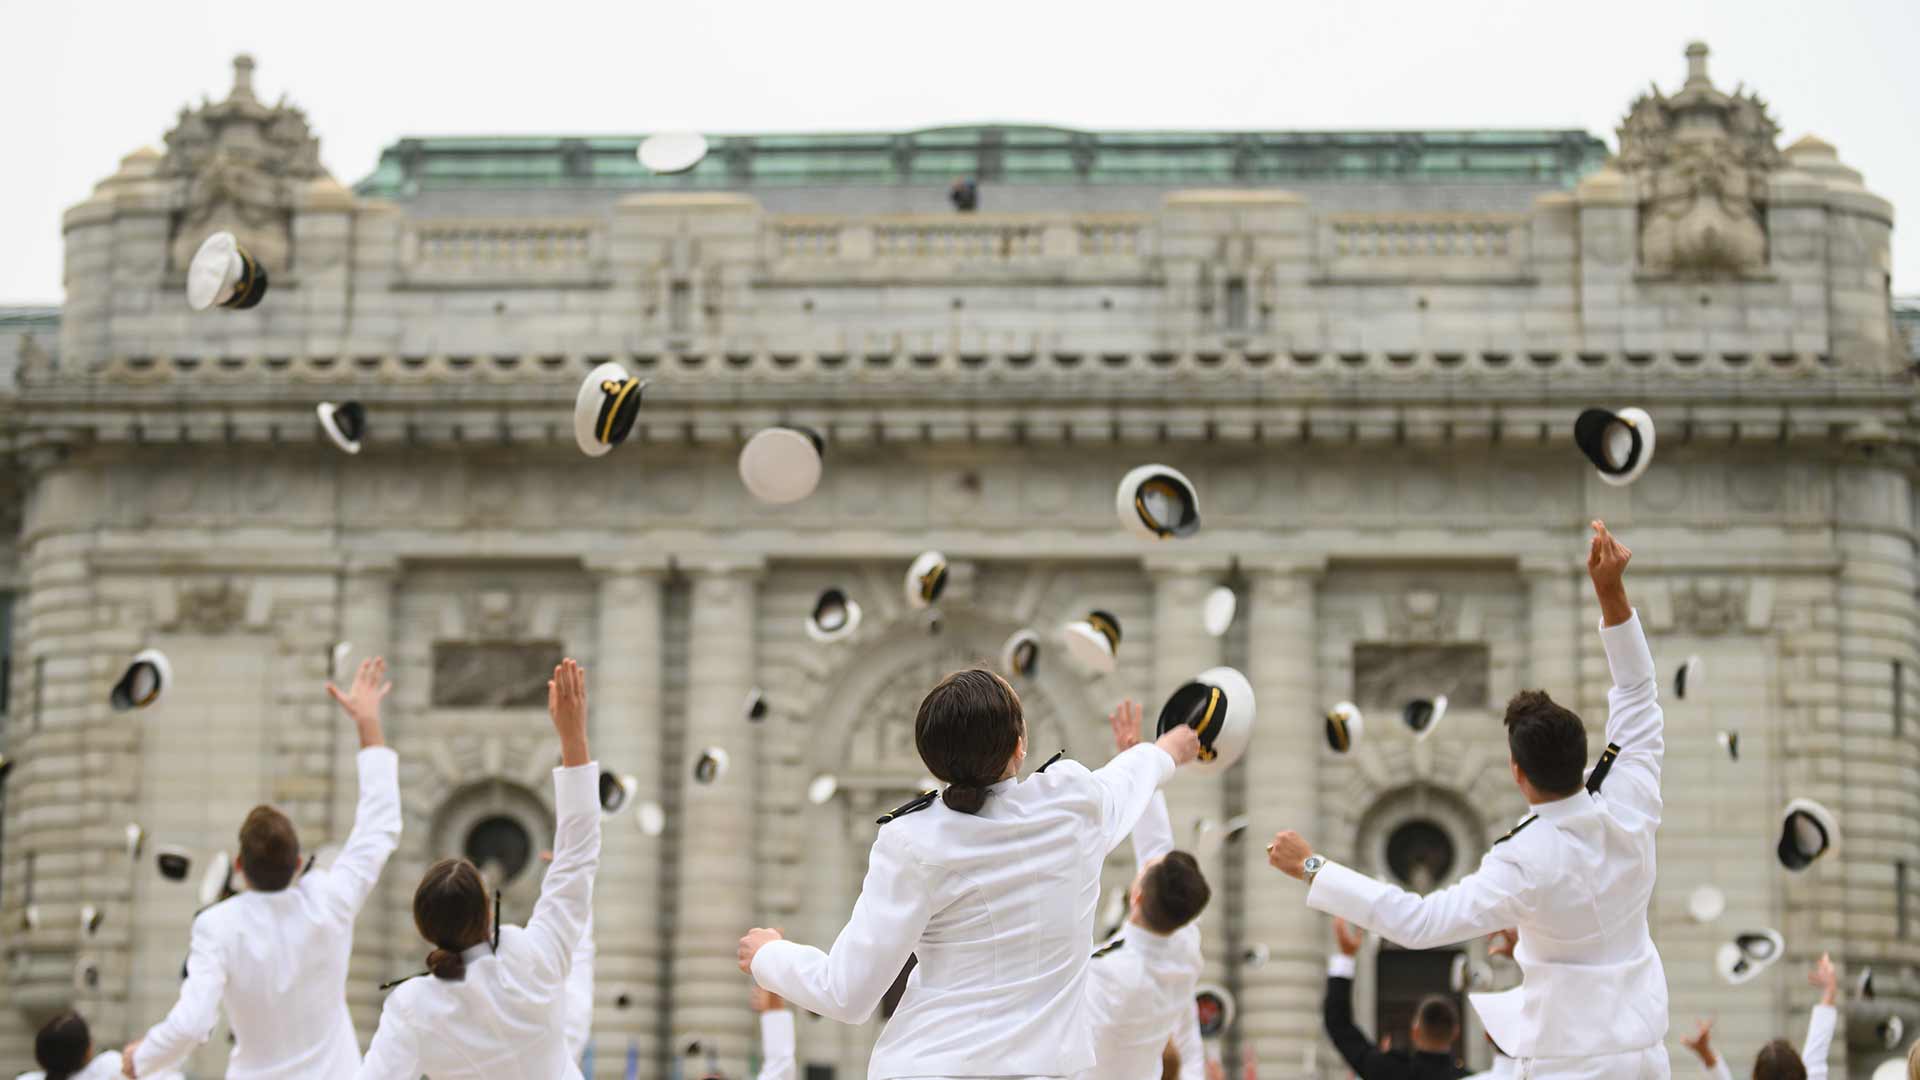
(1367,349)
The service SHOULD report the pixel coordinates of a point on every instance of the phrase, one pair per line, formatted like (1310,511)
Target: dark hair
(1437,1018)
(1549,743)
(967,729)
(269,850)
(1778,1060)
(450,910)
(62,1044)
(1173,893)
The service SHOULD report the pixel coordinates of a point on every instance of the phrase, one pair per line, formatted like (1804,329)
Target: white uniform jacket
(998,906)
(1140,984)
(277,961)
(778,1054)
(507,1019)
(104,1066)
(1813,1053)
(1575,878)
(580,990)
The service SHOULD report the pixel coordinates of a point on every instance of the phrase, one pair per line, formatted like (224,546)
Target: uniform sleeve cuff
(576,790)
(377,763)
(1349,894)
(1341,966)
(776,1033)
(1627,654)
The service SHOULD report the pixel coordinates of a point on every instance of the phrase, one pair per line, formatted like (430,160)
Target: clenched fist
(1182,744)
(1288,854)
(750,946)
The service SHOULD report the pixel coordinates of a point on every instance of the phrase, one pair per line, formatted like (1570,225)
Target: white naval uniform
(1140,986)
(104,1066)
(998,906)
(1575,879)
(507,1019)
(1813,1052)
(277,961)
(580,990)
(777,1049)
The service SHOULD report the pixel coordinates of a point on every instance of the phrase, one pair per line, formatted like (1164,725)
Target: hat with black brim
(1158,502)
(711,765)
(781,465)
(1730,742)
(1422,716)
(834,617)
(1345,725)
(1094,641)
(344,423)
(223,274)
(605,408)
(145,679)
(1688,674)
(926,580)
(1748,954)
(1217,703)
(1215,1007)
(173,863)
(755,707)
(1620,444)
(1808,830)
(1021,654)
(617,791)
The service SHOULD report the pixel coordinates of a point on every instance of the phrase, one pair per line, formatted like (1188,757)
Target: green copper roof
(994,154)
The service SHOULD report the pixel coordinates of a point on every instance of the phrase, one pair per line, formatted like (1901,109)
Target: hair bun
(964,798)
(447,964)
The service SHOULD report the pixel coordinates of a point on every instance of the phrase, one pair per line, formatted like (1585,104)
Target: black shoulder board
(1051,760)
(1108,947)
(1517,828)
(386,986)
(1599,774)
(911,806)
(307,869)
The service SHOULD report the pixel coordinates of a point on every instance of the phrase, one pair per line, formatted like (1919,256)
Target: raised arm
(1336,1012)
(847,982)
(1701,1044)
(1153,833)
(376,820)
(580,992)
(561,914)
(395,1053)
(190,1022)
(778,1053)
(1634,721)
(1491,898)
(1813,1053)
(1130,780)
(1187,1044)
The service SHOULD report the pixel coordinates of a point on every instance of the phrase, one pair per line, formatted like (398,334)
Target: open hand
(1346,937)
(1702,1044)
(1125,721)
(1826,979)
(362,699)
(567,706)
(751,944)
(1288,854)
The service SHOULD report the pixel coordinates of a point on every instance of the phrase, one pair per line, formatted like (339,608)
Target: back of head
(1173,893)
(450,910)
(1778,1060)
(269,850)
(1436,1023)
(1549,743)
(63,1045)
(967,730)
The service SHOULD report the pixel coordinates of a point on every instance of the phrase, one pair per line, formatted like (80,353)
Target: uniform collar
(1577,803)
(1139,937)
(1001,787)
(475,952)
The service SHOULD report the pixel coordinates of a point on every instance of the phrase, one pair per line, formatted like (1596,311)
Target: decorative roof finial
(1697,64)
(242,78)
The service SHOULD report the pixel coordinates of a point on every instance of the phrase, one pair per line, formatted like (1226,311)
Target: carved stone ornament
(244,165)
(210,607)
(1710,605)
(1700,160)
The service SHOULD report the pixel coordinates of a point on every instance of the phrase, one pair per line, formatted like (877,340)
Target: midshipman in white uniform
(1141,983)
(1574,878)
(493,1003)
(275,956)
(992,884)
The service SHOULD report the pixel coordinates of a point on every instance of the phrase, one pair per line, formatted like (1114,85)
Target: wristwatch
(1312,866)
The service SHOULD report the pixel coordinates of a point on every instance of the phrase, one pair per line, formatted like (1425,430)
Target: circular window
(1420,854)
(500,847)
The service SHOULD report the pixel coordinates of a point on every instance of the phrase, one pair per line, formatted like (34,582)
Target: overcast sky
(84,83)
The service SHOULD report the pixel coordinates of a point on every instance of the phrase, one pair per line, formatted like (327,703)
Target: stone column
(716,879)
(366,620)
(1280,1002)
(624,693)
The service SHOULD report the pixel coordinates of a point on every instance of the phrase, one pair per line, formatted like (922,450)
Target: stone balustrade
(451,251)
(1424,246)
(949,237)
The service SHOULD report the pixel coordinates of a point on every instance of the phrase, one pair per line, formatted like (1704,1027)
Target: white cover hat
(173,863)
(835,617)
(1688,673)
(1894,1068)
(1423,716)
(223,273)
(1808,830)
(1620,444)
(337,656)
(605,408)
(1218,703)
(1217,616)
(1748,954)
(1158,502)
(1215,1005)
(926,580)
(1094,640)
(1706,904)
(345,423)
(711,765)
(1021,654)
(652,819)
(1730,742)
(822,788)
(669,152)
(1345,725)
(216,882)
(146,678)
(781,465)
(616,792)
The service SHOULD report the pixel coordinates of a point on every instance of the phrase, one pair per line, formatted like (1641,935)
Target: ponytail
(964,798)
(447,964)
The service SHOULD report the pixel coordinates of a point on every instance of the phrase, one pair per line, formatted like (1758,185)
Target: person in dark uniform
(1436,1023)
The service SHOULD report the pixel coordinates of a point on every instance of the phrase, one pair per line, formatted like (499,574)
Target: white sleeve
(580,991)
(1126,784)
(376,832)
(191,1020)
(1718,1070)
(1819,1040)
(565,906)
(847,983)
(1634,721)
(777,1052)
(394,1055)
(1153,833)
(1186,1041)
(1491,898)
